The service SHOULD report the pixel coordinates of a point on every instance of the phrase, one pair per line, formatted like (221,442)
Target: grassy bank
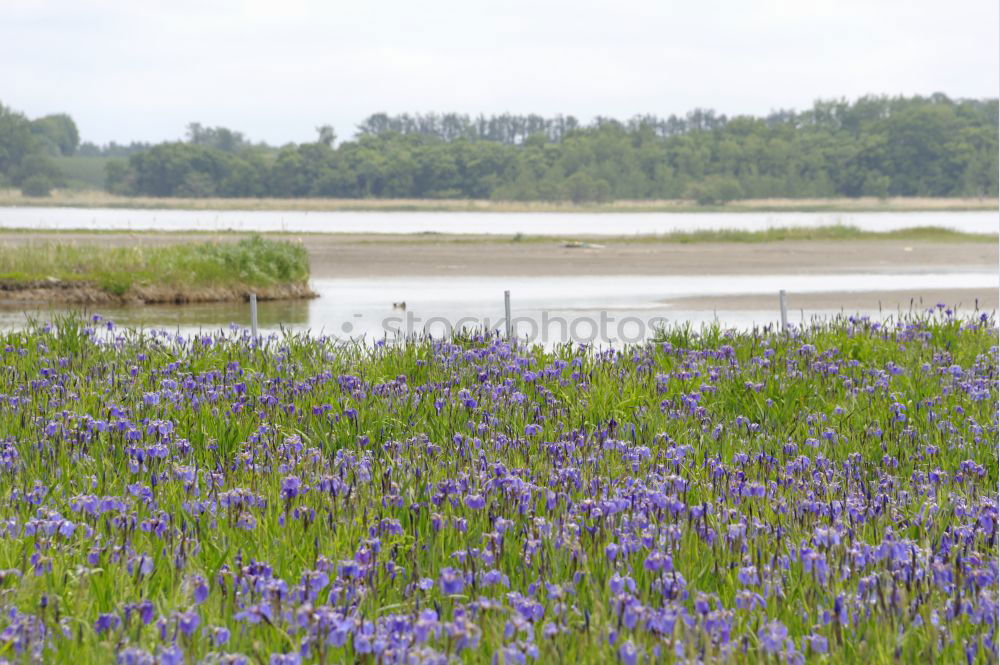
(183,272)
(818,496)
(99,199)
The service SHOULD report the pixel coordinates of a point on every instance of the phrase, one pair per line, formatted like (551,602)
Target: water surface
(546,309)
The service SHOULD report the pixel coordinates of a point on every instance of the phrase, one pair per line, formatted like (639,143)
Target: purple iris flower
(772,636)
(171,656)
(628,653)
(187,622)
(106,622)
(452,581)
(291,487)
(200,589)
(146,612)
(818,643)
(220,636)
(285,659)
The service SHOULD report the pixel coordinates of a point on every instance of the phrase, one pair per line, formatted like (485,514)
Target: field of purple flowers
(826,495)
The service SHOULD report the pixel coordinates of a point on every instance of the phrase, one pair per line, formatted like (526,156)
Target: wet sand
(551,258)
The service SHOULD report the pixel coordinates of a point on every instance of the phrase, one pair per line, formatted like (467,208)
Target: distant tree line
(874,146)
(516,129)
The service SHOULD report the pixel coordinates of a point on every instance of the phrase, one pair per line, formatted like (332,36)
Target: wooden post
(506,307)
(253,314)
(784,310)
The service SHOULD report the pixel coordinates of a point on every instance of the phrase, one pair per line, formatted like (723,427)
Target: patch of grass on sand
(253,261)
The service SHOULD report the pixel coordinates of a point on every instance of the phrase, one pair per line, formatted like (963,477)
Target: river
(601,310)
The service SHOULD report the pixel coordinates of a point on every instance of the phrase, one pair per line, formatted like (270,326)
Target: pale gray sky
(275,69)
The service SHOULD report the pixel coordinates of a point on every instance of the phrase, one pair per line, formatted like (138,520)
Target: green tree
(58,132)
(326,135)
(16,142)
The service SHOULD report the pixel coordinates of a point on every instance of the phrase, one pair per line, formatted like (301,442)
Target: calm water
(546,224)
(547,309)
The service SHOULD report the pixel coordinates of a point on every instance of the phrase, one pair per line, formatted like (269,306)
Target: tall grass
(253,261)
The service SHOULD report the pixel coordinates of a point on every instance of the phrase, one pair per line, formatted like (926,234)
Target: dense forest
(874,146)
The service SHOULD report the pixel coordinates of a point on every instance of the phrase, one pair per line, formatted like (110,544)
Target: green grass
(253,261)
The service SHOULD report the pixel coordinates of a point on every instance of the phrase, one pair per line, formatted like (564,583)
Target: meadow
(821,495)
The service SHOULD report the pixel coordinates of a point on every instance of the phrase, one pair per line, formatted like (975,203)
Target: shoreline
(94,199)
(62,292)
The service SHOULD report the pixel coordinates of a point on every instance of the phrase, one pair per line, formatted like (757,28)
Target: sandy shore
(27,294)
(373,256)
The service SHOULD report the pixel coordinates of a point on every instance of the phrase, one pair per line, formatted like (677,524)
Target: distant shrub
(716,189)
(36,186)
(197,185)
(582,188)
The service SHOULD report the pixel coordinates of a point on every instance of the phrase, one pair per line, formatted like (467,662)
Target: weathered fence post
(784,310)
(253,314)
(509,323)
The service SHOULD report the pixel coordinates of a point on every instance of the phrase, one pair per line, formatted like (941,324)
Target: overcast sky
(275,69)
